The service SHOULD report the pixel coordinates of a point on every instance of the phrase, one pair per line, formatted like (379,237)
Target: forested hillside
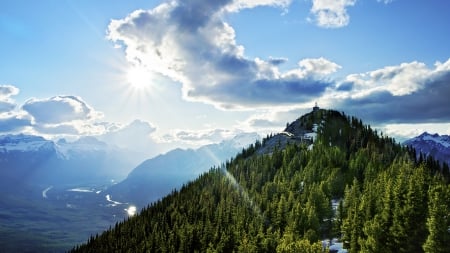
(353,184)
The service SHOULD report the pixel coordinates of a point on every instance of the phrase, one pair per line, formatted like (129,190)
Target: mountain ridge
(158,176)
(33,161)
(435,145)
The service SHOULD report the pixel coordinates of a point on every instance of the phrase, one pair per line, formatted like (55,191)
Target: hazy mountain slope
(352,184)
(51,192)
(32,161)
(157,177)
(56,190)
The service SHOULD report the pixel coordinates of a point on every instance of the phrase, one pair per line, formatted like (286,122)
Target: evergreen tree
(438,220)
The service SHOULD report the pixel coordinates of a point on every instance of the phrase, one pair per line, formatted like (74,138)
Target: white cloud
(6,92)
(74,128)
(406,93)
(403,132)
(135,135)
(59,115)
(313,68)
(331,13)
(248,4)
(197,138)
(60,109)
(274,120)
(14,122)
(398,80)
(385,1)
(7,106)
(189,42)
(11,120)
(69,115)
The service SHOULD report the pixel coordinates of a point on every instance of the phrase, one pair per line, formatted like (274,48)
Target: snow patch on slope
(443,140)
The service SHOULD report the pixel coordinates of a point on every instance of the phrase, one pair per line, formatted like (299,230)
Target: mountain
(54,193)
(435,145)
(329,176)
(157,177)
(51,192)
(32,161)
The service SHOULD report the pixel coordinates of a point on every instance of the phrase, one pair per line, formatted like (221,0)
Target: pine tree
(438,221)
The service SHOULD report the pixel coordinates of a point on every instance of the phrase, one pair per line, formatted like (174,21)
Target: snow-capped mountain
(156,177)
(27,160)
(435,145)
(23,143)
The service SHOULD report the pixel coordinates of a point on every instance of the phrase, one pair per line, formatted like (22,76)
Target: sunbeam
(242,191)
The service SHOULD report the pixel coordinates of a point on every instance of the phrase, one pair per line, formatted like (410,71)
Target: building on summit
(316,108)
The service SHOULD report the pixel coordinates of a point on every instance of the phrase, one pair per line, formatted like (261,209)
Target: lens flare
(242,191)
(131,210)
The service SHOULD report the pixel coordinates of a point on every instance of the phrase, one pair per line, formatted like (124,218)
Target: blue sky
(192,72)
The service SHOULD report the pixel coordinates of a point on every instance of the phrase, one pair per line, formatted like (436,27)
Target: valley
(52,220)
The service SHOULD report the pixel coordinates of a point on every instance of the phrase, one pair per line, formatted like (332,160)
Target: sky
(163,74)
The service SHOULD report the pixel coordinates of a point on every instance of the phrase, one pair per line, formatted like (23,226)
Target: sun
(131,210)
(138,77)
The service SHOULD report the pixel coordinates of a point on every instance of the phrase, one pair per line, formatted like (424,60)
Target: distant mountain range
(157,177)
(45,183)
(28,161)
(435,145)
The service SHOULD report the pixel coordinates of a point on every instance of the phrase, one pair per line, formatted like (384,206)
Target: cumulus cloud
(397,80)
(136,134)
(196,138)
(75,128)
(7,91)
(263,123)
(60,109)
(14,122)
(211,135)
(189,42)
(274,120)
(248,4)
(313,68)
(6,106)
(68,115)
(385,1)
(275,61)
(407,93)
(10,120)
(6,102)
(331,13)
